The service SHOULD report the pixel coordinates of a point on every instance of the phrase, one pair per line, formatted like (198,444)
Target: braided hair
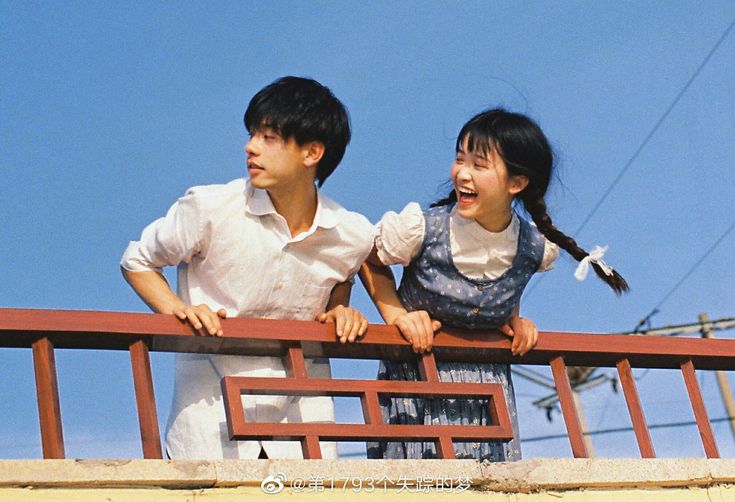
(526,152)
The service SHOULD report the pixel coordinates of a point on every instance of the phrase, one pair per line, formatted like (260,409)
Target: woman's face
(483,187)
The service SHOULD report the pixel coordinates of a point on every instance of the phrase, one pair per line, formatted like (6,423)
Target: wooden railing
(46,330)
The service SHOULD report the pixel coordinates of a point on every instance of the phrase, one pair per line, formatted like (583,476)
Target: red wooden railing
(298,383)
(46,330)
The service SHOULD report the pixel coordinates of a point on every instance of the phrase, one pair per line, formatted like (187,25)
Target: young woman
(467,260)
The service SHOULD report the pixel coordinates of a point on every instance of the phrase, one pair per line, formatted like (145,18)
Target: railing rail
(46,330)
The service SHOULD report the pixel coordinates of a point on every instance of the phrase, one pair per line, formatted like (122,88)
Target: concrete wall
(536,480)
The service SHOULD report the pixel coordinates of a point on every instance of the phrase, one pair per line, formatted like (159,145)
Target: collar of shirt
(259,203)
(477,232)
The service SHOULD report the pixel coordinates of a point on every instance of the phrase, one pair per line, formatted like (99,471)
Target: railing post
(47,392)
(150,435)
(296,368)
(310,448)
(430,373)
(295,363)
(371,408)
(634,408)
(234,412)
(445,448)
(566,399)
(700,412)
(427,367)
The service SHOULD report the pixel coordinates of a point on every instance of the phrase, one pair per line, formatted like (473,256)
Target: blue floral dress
(432,282)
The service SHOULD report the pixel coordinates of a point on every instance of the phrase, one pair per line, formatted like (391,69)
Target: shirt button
(475,310)
(480,287)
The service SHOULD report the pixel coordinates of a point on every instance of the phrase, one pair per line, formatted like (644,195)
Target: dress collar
(479,233)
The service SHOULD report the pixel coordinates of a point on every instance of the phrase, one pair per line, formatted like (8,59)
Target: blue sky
(109,111)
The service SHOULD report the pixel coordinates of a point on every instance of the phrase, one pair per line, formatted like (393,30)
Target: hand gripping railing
(47,330)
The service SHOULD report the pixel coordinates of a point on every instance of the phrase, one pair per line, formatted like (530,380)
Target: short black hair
(305,110)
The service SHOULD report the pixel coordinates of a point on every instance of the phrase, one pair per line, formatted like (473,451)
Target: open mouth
(465,196)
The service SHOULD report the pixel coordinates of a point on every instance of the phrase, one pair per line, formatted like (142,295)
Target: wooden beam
(700,412)
(634,408)
(47,392)
(145,398)
(566,399)
(116,330)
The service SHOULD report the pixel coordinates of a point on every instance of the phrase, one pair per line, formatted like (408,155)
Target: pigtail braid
(535,204)
(449,199)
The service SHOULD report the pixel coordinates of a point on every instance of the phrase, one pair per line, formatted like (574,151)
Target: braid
(449,199)
(534,203)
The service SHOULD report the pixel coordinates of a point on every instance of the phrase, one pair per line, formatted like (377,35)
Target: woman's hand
(523,332)
(418,328)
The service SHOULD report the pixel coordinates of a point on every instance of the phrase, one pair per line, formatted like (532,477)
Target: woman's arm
(381,286)
(416,327)
(523,332)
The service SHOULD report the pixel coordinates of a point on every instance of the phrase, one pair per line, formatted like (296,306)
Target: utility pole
(583,424)
(724,385)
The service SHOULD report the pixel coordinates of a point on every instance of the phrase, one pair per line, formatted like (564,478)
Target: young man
(271,246)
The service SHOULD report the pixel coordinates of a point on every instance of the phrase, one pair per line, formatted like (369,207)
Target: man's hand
(152,287)
(202,318)
(523,332)
(418,328)
(350,322)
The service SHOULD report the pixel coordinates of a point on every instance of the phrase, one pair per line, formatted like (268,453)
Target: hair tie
(595,256)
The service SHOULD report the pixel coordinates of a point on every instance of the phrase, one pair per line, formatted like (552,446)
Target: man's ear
(518,184)
(313,153)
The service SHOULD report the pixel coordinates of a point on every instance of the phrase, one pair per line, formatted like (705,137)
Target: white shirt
(477,253)
(234,251)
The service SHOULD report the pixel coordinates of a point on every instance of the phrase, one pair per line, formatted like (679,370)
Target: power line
(614,430)
(654,129)
(585,382)
(645,141)
(689,272)
(685,329)
(694,267)
(623,429)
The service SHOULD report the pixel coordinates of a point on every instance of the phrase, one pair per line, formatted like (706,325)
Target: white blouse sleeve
(400,235)
(551,253)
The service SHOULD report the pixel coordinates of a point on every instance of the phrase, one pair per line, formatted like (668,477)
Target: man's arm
(167,242)
(152,287)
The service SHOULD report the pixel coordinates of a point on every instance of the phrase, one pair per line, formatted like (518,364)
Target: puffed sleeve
(170,240)
(400,235)
(551,253)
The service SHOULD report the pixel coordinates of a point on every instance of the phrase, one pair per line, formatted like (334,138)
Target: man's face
(274,162)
